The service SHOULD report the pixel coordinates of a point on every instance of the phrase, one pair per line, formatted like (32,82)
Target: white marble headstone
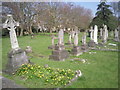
(95,34)
(76,38)
(91,33)
(10,24)
(61,37)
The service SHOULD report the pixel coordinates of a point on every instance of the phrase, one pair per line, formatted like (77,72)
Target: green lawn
(100,71)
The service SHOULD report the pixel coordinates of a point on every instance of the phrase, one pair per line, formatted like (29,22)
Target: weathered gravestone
(95,34)
(91,43)
(116,35)
(105,33)
(71,36)
(59,53)
(53,42)
(101,33)
(17,56)
(84,46)
(76,51)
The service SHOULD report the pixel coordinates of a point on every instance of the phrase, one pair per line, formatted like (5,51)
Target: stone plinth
(76,51)
(84,48)
(59,53)
(91,43)
(15,59)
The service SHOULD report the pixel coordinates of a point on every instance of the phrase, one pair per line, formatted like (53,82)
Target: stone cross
(84,39)
(60,37)
(10,24)
(95,34)
(91,33)
(76,38)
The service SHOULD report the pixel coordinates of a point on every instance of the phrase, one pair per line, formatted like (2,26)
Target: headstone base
(91,43)
(84,48)
(15,59)
(59,54)
(76,51)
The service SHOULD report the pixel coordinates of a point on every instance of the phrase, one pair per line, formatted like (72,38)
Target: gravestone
(53,43)
(105,33)
(72,33)
(84,46)
(76,51)
(59,53)
(17,56)
(116,35)
(70,39)
(95,34)
(61,37)
(91,32)
(91,43)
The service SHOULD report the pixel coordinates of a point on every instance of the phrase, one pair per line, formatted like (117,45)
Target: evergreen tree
(104,16)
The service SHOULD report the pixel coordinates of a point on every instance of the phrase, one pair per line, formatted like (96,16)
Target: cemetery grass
(100,70)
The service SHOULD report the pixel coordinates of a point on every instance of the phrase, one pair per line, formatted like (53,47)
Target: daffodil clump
(48,75)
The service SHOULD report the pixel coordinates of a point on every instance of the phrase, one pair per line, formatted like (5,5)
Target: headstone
(59,53)
(91,43)
(84,46)
(76,39)
(17,56)
(73,33)
(91,32)
(10,24)
(84,39)
(116,35)
(76,51)
(70,39)
(53,43)
(60,37)
(105,33)
(95,34)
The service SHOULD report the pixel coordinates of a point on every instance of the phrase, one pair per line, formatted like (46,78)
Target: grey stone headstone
(15,59)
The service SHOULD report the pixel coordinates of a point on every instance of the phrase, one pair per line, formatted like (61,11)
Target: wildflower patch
(48,75)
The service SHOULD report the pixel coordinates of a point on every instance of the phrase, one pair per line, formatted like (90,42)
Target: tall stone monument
(101,33)
(59,53)
(116,35)
(76,51)
(95,34)
(84,46)
(105,33)
(70,39)
(17,56)
(91,43)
